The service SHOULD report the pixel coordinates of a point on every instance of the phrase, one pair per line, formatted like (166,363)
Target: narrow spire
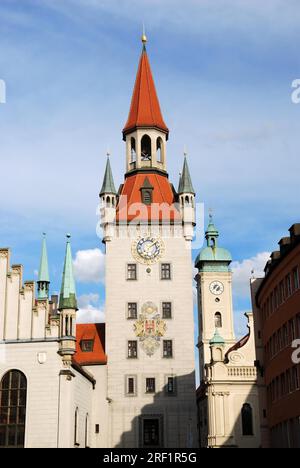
(185,183)
(68,292)
(145,109)
(108,185)
(43,276)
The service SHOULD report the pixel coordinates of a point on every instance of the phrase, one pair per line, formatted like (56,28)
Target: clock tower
(214,286)
(147,231)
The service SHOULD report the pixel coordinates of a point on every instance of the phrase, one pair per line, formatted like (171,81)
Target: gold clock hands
(147,248)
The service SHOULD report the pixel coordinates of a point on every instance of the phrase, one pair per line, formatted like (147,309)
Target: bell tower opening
(146,150)
(133,150)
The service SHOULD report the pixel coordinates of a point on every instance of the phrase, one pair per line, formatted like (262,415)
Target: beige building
(228,406)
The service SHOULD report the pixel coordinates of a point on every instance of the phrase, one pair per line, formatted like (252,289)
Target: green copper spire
(212,232)
(217,339)
(108,185)
(67,298)
(43,277)
(185,182)
(213,258)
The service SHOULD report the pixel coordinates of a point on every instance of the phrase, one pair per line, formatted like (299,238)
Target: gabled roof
(162,208)
(95,332)
(145,109)
(108,185)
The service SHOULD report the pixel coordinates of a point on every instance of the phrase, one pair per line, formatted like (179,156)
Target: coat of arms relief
(149,328)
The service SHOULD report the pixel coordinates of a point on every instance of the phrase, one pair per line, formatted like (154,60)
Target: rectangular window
(282,292)
(150,385)
(296,378)
(132,349)
(132,310)
(285,336)
(131,271)
(131,385)
(165,271)
(170,387)
(167,349)
(288,285)
(167,310)
(87,346)
(296,278)
(292,330)
(151,433)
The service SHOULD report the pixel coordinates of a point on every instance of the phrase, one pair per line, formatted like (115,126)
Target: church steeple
(145,108)
(145,131)
(67,308)
(43,277)
(67,298)
(185,183)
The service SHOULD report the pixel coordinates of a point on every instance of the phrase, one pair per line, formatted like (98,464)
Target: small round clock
(216,288)
(147,249)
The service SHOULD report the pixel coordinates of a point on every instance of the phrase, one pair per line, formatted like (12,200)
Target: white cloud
(89,309)
(89,266)
(242,272)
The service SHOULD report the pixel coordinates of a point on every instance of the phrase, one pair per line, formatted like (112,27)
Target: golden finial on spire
(144,37)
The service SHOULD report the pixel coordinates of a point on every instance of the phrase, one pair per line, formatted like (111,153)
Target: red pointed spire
(145,109)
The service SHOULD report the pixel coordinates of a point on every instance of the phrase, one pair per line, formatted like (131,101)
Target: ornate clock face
(216,288)
(147,249)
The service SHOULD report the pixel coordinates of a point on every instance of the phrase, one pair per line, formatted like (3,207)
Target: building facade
(130,382)
(148,228)
(47,398)
(228,404)
(276,299)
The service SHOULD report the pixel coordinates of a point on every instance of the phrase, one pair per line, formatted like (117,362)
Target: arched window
(13,392)
(133,149)
(247,420)
(159,150)
(218,320)
(66,326)
(146,148)
(212,242)
(108,201)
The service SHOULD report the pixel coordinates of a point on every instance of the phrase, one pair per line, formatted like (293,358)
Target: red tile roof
(130,205)
(145,109)
(95,332)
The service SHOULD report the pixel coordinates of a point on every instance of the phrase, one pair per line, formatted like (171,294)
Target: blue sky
(223,71)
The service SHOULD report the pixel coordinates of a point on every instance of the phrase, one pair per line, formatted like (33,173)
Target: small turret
(43,277)
(187,201)
(108,197)
(67,308)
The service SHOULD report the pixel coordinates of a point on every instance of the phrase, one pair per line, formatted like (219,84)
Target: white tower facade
(227,398)
(149,294)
